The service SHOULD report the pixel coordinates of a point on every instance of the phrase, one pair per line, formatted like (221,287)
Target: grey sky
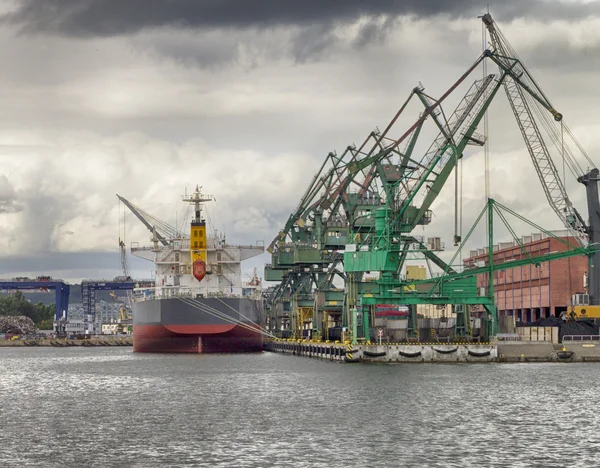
(145,98)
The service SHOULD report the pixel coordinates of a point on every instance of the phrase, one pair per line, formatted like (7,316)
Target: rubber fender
(402,353)
(372,354)
(346,359)
(476,354)
(564,354)
(445,351)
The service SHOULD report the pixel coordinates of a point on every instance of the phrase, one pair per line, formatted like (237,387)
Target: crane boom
(515,86)
(552,184)
(143,217)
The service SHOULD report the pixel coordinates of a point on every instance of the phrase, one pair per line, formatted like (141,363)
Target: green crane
(361,209)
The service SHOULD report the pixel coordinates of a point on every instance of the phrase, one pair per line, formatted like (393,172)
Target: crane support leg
(590,180)
(412,330)
(366,321)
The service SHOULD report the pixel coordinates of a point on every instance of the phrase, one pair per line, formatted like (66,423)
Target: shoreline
(64,342)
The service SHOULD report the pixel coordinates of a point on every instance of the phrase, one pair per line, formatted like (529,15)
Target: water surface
(104,407)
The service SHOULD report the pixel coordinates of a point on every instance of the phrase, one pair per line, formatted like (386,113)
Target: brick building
(531,292)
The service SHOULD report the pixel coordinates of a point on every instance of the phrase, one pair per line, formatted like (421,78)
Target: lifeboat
(199,269)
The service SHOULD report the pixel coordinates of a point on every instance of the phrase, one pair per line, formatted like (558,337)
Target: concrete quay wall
(386,353)
(506,352)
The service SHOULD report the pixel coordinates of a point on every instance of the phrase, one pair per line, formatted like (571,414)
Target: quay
(492,352)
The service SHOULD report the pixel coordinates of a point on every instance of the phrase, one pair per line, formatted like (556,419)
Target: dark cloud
(582,57)
(244,48)
(312,42)
(189,50)
(87,18)
(374,30)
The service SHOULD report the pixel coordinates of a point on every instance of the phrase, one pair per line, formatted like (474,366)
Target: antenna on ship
(198,246)
(197,199)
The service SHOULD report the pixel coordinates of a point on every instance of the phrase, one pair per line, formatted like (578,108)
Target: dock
(492,352)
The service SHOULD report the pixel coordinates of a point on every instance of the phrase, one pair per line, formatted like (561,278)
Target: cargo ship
(199,303)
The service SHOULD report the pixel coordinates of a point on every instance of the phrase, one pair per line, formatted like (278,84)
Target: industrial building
(530,292)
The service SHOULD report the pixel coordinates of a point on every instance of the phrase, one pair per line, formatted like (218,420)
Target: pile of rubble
(17,325)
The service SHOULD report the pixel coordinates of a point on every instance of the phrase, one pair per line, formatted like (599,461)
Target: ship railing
(144,294)
(166,292)
(142,249)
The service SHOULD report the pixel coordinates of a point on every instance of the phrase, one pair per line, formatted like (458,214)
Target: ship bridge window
(176,256)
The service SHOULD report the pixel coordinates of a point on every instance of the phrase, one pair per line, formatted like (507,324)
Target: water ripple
(99,407)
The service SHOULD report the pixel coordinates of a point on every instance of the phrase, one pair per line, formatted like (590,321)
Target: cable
(486,155)
(562,141)
(225,304)
(543,115)
(568,230)
(226,318)
(460,227)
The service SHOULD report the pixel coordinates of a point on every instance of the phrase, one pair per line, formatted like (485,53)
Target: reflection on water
(102,407)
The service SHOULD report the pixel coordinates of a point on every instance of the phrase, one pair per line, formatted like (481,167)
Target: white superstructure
(170,252)
(224,269)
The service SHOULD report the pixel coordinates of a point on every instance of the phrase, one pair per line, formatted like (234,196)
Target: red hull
(218,338)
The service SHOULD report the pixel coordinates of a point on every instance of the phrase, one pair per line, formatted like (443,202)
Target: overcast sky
(246,98)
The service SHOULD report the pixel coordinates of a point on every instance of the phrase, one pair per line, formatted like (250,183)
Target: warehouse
(531,292)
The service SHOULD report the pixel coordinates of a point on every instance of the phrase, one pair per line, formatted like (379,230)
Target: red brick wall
(531,287)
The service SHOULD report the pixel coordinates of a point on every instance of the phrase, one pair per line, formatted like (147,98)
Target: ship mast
(198,246)
(197,199)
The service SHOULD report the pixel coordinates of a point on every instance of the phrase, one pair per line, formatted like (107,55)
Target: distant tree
(46,325)
(17,304)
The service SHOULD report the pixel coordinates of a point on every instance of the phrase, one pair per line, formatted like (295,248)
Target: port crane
(554,187)
(372,198)
(341,201)
(160,230)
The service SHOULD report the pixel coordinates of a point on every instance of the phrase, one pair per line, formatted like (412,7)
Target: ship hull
(199,325)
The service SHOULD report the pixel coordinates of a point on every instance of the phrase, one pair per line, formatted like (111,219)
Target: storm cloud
(146,98)
(87,18)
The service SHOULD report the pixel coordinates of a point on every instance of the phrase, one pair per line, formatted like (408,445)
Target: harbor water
(109,407)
